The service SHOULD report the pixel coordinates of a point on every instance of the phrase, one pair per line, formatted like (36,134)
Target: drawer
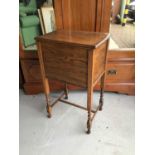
(120,72)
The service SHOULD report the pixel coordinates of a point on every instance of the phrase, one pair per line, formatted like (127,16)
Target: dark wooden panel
(63,62)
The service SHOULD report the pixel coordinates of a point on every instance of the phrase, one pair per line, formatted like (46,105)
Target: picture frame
(41,22)
(48,18)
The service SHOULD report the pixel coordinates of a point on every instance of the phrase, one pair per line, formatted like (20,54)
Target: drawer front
(120,72)
(31,70)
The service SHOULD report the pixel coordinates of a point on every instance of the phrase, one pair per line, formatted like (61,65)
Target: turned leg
(89,105)
(66,91)
(48,101)
(101,93)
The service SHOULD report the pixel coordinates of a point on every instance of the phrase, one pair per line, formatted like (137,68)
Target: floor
(64,134)
(124,36)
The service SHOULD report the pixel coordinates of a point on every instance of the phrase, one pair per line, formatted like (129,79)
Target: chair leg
(89,123)
(101,93)
(48,101)
(48,107)
(66,91)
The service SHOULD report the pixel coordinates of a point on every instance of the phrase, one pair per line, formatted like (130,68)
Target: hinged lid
(80,38)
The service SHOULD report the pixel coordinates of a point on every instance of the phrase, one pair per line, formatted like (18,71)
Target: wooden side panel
(99,61)
(65,61)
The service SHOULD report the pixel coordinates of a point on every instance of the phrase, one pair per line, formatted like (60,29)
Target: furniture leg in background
(66,91)
(101,92)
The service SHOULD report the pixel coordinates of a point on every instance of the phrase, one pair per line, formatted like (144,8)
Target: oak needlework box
(73,57)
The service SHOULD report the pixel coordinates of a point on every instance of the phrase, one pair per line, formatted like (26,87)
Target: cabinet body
(73,57)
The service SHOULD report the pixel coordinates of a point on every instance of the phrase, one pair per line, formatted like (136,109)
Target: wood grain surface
(80,38)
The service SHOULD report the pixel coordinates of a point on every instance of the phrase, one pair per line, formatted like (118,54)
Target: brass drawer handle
(112,72)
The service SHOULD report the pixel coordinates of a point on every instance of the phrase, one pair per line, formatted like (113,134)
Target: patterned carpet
(124,36)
